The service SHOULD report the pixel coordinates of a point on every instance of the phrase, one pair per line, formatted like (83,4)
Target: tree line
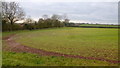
(12,12)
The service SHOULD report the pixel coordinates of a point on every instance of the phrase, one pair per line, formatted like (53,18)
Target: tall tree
(12,12)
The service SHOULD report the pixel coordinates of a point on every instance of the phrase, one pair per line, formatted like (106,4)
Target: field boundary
(93,27)
(17,47)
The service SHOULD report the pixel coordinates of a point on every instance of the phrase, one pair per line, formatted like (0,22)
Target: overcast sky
(91,12)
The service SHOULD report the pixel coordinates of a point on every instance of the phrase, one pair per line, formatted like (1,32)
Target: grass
(27,59)
(0,49)
(8,33)
(89,42)
(99,25)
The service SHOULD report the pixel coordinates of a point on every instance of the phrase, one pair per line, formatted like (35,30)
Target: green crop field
(88,42)
(99,25)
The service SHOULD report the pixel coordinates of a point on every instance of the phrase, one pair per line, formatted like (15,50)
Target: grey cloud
(90,11)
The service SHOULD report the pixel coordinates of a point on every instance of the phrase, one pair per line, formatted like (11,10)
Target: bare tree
(45,17)
(64,16)
(56,17)
(12,12)
(67,20)
(28,20)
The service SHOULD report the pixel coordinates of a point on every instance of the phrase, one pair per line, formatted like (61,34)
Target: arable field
(99,25)
(87,42)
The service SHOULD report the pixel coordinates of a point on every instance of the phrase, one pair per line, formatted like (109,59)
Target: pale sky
(63,0)
(92,11)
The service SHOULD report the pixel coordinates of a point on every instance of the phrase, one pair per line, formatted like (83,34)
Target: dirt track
(17,47)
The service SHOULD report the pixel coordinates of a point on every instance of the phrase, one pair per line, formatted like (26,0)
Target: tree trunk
(12,23)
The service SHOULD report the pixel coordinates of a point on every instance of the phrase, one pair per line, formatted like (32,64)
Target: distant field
(99,25)
(89,42)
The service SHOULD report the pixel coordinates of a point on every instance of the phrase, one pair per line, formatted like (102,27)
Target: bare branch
(12,11)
